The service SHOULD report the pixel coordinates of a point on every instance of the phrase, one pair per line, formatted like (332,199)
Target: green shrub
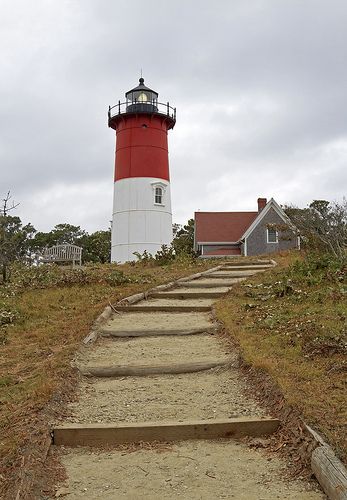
(117,278)
(8,314)
(145,257)
(165,255)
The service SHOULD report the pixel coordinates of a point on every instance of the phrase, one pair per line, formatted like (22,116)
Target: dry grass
(295,330)
(35,372)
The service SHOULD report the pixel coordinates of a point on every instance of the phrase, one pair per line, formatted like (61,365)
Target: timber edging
(329,471)
(160,332)
(113,434)
(167,308)
(160,369)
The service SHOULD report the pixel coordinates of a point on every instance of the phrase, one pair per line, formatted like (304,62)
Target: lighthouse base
(126,253)
(139,223)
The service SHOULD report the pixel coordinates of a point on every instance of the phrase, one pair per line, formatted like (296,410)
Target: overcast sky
(260,88)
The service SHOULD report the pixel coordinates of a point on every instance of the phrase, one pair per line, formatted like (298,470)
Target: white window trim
(158,193)
(267,236)
(163,187)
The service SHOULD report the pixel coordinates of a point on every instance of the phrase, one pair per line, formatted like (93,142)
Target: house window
(158,196)
(272,235)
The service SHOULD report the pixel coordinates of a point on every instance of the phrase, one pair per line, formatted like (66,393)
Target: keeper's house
(223,234)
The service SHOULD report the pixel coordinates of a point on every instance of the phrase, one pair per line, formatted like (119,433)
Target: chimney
(261,204)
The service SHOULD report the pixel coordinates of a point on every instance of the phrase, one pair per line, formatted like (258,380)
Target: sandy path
(149,321)
(149,351)
(207,395)
(204,470)
(191,470)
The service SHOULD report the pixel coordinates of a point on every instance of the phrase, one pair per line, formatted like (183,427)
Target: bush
(145,257)
(165,255)
(7,315)
(318,268)
(52,275)
(117,278)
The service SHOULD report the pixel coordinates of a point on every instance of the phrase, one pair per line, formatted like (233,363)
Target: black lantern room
(141,99)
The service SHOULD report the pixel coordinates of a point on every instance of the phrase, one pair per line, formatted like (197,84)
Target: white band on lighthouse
(142,218)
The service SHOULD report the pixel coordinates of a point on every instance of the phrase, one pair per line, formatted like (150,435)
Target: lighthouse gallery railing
(142,107)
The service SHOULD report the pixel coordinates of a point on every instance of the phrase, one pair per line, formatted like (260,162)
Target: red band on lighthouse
(142,148)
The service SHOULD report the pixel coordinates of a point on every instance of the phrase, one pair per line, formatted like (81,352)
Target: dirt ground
(149,351)
(152,321)
(207,395)
(191,470)
(203,470)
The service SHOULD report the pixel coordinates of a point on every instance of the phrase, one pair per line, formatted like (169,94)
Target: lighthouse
(142,217)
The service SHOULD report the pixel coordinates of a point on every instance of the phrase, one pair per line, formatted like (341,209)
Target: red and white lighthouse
(142,218)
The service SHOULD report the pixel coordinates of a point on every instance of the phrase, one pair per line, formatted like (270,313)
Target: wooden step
(145,370)
(113,434)
(211,284)
(264,263)
(158,332)
(231,274)
(186,295)
(245,268)
(167,308)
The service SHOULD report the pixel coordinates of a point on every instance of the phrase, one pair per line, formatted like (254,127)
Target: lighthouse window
(272,235)
(158,195)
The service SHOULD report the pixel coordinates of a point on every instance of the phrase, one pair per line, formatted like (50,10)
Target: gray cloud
(260,89)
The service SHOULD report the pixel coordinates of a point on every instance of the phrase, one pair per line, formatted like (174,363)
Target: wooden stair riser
(196,284)
(145,370)
(265,263)
(244,268)
(158,333)
(230,275)
(111,434)
(163,308)
(187,295)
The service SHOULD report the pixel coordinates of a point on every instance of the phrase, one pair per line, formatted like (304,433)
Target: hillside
(291,324)
(44,314)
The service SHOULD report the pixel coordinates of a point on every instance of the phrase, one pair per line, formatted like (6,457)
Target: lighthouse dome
(141,99)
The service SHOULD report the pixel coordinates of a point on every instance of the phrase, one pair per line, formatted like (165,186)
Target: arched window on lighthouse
(158,197)
(159,189)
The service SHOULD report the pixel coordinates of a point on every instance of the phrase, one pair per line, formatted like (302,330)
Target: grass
(51,309)
(291,323)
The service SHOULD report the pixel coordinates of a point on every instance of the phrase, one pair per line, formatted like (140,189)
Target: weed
(292,323)
(47,311)
(165,255)
(116,278)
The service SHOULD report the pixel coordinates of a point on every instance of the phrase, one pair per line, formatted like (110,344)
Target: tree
(175,228)
(96,246)
(60,234)
(322,225)
(184,239)
(15,239)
